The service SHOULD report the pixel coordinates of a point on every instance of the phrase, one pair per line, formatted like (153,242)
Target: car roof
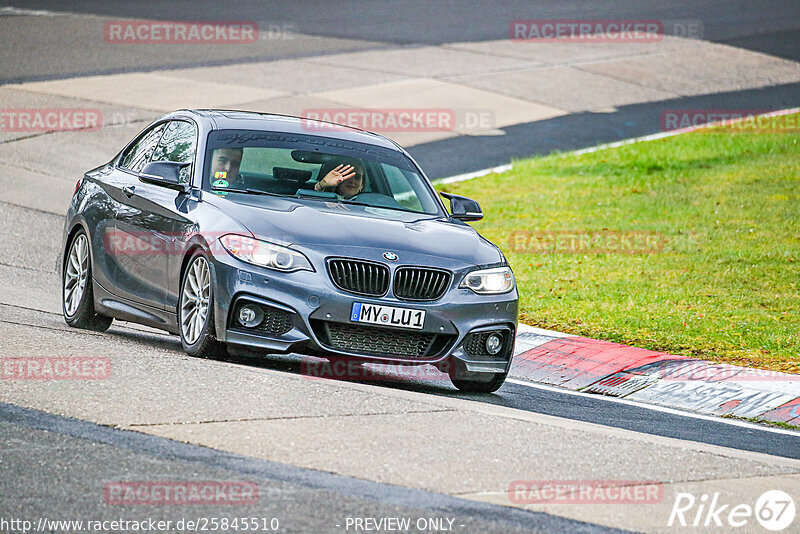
(221,119)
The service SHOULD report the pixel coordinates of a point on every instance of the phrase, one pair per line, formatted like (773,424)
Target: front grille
(361,277)
(420,283)
(387,342)
(275,322)
(475,344)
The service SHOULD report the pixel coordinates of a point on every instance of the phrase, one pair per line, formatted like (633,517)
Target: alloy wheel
(195,300)
(76,274)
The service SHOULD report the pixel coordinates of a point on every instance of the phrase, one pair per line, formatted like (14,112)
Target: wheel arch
(77,225)
(197,243)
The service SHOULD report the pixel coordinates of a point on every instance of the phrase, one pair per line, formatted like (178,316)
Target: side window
(139,153)
(178,144)
(401,189)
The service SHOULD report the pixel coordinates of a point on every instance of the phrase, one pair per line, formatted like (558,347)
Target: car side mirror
(463,208)
(166,174)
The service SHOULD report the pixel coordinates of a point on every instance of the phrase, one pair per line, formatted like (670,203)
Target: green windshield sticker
(219,183)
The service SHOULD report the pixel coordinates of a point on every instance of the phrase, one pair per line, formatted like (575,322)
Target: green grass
(723,283)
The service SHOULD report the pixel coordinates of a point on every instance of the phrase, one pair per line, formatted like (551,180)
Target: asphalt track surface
(58,449)
(523,395)
(56,467)
(769,26)
(40,449)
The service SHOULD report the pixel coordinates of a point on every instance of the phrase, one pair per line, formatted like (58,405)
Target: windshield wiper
(300,196)
(315,195)
(357,203)
(245,191)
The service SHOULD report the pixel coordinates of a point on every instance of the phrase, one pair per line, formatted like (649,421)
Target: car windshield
(315,168)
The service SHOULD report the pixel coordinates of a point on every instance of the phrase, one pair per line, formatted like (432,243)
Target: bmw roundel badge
(390,256)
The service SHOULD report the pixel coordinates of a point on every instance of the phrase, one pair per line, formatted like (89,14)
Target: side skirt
(109,304)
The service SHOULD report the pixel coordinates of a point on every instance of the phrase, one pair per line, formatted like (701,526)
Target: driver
(346,180)
(227,161)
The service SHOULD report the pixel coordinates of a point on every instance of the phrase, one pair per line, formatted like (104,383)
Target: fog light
(250,316)
(494,343)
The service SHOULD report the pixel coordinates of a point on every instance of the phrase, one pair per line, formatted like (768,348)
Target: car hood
(320,224)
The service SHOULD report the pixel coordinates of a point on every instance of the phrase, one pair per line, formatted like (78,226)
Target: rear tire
(77,296)
(474,382)
(196,311)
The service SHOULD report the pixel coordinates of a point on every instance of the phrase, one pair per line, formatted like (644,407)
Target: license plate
(387,316)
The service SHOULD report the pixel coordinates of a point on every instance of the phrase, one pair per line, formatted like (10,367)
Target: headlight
(265,254)
(489,281)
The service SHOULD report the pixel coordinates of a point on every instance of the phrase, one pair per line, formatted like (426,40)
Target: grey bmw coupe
(275,234)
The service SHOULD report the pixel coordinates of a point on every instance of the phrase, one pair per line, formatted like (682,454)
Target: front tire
(77,296)
(474,382)
(196,310)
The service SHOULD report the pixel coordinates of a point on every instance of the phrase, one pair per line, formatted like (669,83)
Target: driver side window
(139,153)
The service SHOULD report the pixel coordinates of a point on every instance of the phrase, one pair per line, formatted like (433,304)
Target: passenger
(226,160)
(345,180)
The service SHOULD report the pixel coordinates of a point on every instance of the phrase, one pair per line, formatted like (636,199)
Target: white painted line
(671,133)
(615,144)
(471,175)
(16,11)
(663,409)
(541,331)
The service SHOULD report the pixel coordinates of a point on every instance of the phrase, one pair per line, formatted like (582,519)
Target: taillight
(78,185)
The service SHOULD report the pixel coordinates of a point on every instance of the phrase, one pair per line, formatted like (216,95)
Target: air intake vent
(419,283)
(358,276)
(378,341)
(274,322)
(475,345)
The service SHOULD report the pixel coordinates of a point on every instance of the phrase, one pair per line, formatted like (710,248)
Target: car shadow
(159,340)
(419,379)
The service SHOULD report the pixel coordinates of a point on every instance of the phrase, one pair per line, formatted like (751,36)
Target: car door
(178,144)
(122,251)
(145,220)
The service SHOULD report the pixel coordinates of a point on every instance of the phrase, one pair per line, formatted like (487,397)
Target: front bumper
(310,307)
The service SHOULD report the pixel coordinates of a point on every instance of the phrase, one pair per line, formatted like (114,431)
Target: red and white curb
(606,368)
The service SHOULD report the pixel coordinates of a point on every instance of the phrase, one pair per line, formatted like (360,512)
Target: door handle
(129,190)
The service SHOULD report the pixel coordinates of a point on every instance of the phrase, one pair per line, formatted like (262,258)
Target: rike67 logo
(774,510)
